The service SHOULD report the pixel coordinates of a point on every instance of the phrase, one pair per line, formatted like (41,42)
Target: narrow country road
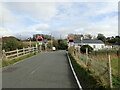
(46,70)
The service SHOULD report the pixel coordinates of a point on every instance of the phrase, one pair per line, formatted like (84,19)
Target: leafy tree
(83,49)
(88,36)
(101,37)
(76,36)
(62,44)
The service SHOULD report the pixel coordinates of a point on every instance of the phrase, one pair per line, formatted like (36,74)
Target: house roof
(89,41)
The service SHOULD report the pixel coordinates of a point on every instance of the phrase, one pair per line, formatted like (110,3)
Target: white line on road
(35,70)
(80,87)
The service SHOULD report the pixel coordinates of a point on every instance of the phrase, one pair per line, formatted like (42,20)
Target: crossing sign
(40,39)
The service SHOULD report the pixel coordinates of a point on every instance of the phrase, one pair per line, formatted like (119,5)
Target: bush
(55,44)
(10,44)
(62,44)
(83,49)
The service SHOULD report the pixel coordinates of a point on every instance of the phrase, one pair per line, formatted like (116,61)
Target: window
(94,46)
(102,46)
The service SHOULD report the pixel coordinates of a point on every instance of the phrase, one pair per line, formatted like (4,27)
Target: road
(46,70)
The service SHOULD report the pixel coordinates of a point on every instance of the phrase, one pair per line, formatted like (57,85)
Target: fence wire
(97,63)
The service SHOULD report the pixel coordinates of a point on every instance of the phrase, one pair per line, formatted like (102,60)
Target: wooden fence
(18,53)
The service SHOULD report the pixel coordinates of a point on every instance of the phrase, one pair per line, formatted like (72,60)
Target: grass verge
(12,61)
(85,76)
(115,76)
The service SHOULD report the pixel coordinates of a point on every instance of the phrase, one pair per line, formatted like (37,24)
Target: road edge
(73,71)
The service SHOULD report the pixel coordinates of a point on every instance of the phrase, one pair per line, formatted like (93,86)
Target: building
(95,44)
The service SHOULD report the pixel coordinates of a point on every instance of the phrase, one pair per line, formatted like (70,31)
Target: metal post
(46,47)
(109,72)
(40,48)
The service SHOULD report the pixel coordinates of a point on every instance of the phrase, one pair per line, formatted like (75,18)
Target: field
(97,64)
(102,56)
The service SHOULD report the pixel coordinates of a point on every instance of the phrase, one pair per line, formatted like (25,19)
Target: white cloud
(59,1)
(36,10)
(5,32)
(59,18)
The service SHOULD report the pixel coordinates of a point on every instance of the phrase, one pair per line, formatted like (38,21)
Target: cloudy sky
(23,19)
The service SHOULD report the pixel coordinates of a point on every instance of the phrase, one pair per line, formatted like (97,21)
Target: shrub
(10,44)
(62,44)
(83,49)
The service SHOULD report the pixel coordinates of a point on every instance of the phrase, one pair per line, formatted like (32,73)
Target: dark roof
(77,41)
(88,41)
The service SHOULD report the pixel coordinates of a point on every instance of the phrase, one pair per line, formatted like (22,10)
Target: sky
(23,19)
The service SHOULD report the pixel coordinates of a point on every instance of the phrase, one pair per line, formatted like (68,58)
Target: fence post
(23,50)
(4,55)
(109,72)
(17,52)
(32,49)
(86,55)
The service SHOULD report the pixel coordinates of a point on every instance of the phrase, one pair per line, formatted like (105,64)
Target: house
(116,45)
(95,44)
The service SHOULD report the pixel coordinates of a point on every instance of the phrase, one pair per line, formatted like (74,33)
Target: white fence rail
(18,53)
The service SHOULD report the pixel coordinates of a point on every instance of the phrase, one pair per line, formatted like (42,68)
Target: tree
(83,49)
(112,39)
(76,36)
(62,44)
(101,37)
(87,36)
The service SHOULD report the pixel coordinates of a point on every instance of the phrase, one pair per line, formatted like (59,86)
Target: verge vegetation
(12,61)
(90,79)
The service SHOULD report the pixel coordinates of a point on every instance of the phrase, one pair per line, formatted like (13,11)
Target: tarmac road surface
(46,70)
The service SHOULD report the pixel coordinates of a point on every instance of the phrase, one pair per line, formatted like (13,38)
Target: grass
(94,72)
(102,56)
(115,77)
(85,76)
(12,61)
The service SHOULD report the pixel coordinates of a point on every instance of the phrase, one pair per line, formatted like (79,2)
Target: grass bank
(12,61)
(93,74)
(102,56)
(85,76)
